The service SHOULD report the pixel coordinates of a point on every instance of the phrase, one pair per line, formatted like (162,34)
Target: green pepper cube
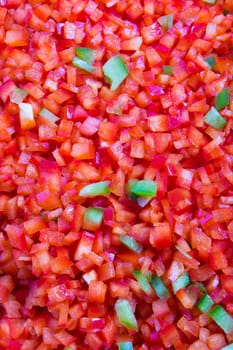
(142,280)
(49,116)
(18,95)
(125,314)
(77,62)
(160,288)
(211,61)
(168,70)
(166,22)
(222,99)
(214,119)
(93,215)
(131,243)
(95,189)
(126,345)
(222,318)
(205,303)
(115,71)
(144,188)
(85,54)
(181,282)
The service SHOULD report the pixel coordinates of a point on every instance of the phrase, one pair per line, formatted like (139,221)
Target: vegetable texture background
(116,174)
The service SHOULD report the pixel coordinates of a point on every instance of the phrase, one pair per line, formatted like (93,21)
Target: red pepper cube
(84,149)
(106,271)
(159,123)
(227,283)
(65,128)
(218,260)
(97,291)
(170,336)
(161,235)
(180,199)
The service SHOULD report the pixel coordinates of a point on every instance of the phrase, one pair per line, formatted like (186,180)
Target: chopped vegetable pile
(116,174)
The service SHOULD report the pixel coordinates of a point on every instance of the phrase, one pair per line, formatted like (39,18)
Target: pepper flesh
(115,71)
(125,314)
(222,318)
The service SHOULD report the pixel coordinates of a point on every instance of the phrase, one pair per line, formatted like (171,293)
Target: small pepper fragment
(222,99)
(181,282)
(205,303)
(77,62)
(93,218)
(166,22)
(131,243)
(95,189)
(26,116)
(144,188)
(142,280)
(85,54)
(18,95)
(214,119)
(49,116)
(160,288)
(222,318)
(115,71)
(125,314)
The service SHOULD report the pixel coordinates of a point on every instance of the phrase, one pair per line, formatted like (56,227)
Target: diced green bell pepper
(222,318)
(222,99)
(95,189)
(115,71)
(131,243)
(160,288)
(181,282)
(142,280)
(214,119)
(205,303)
(125,314)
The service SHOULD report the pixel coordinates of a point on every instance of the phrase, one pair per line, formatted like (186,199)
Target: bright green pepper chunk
(222,318)
(222,99)
(131,243)
(126,345)
(96,189)
(144,188)
(115,71)
(94,215)
(168,70)
(85,54)
(77,62)
(125,314)
(181,282)
(211,61)
(142,280)
(205,303)
(160,288)
(214,119)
